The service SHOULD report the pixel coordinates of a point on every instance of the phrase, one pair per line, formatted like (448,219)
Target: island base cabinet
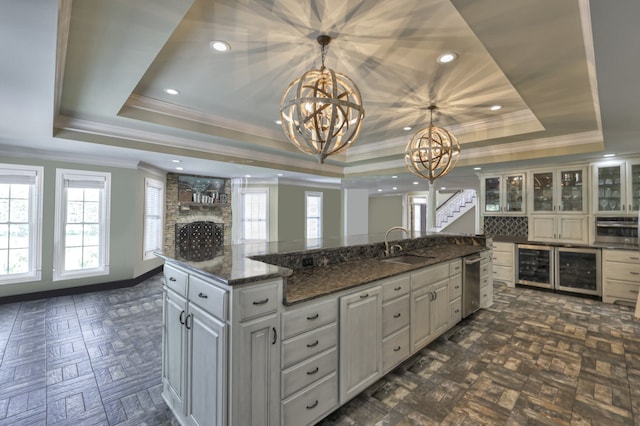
(430,312)
(311,404)
(360,341)
(174,350)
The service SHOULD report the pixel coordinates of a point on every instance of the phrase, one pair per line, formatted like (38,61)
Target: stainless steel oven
(610,229)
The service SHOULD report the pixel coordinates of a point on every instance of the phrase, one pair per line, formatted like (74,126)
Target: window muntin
(82,224)
(153,217)
(20,223)
(254,207)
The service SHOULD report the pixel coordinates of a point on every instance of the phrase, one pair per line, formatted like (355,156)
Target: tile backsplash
(512,226)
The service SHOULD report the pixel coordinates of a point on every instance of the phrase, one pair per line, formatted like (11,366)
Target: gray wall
(291,212)
(465,224)
(384,212)
(125,245)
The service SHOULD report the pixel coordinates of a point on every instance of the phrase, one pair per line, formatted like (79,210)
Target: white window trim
(148,255)
(58,240)
(35,243)
(308,194)
(241,193)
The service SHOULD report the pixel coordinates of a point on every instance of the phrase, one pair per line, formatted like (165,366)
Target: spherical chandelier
(432,152)
(321,112)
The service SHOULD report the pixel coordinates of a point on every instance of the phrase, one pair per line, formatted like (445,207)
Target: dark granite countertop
(307,284)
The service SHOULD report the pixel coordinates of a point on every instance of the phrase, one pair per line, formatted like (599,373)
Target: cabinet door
(608,184)
(257,362)
(573,229)
(206,377)
(440,308)
(514,195)
(572,190)
(175,343)
(542,228)
(421,317)
(633,186)
(542,192)
(360,341)
(491,198)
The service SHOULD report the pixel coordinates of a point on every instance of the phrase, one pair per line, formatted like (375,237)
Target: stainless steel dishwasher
(470,285)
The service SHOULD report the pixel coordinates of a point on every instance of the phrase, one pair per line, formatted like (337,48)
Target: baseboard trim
(70,291)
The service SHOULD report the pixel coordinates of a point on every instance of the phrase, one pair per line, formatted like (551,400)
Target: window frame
(147,254)
(242,193)
(35,222)
(307,195)
(59,271)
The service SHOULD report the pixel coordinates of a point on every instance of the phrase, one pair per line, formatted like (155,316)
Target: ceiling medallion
(322,110)
(432,152)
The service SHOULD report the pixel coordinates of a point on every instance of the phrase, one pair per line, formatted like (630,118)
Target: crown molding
(46,155)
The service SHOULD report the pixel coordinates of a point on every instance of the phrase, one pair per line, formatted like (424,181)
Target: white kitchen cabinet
(503,194)
(559,228)
(486,280)
(616,187)
(620,276)
(455,292)
(360,341)
(174,349)
(503,263)
(396,313)
(430,304)
(560,190)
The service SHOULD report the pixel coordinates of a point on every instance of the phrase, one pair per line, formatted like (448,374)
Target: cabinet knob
(202,295)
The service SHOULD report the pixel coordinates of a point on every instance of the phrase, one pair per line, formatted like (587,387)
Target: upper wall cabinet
(561,190)
(503,194)
(616,187)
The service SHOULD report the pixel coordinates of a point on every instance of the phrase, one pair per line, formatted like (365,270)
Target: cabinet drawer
(395,349)
(456,310)
(257,301)
(501,258)
(486,296)
(175,279)
(623,271)
(455,286)
(430,275)
(485,280)
(613,291)
(396,287)
(484,268)
(309,317)
(503,273)
(455,267)
(625,256)
(209,297)
(308,344)
(312,404)
(395,315)
(307,372)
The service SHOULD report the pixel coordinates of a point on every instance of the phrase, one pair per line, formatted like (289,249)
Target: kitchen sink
(407,259)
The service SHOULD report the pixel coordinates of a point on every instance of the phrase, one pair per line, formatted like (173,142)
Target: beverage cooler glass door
(578,271)
(535,266)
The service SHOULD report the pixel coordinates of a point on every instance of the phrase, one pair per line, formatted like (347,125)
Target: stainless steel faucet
(389,251)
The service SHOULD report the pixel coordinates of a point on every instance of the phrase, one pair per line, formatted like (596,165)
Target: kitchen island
(254,337)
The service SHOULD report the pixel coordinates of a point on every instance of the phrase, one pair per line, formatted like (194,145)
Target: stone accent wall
(176,212)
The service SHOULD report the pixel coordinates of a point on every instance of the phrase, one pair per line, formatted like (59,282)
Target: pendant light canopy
(432,152)
(321,112)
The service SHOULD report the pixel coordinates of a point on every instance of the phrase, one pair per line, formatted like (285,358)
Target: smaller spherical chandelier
(432,152)
(322,110)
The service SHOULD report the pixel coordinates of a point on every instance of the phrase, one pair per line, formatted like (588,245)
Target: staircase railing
(454,207)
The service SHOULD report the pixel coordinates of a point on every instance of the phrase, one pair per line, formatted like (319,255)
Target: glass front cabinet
(616,187)
(504,194)
(558,190)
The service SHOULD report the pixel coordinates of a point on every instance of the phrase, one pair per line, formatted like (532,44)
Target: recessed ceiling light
(394,177)
(477,168)
(176,161)
(609,155)
(278,122)
(280,174)
(172,91)
(447,57)
(442,188)
(179,168)
(220,46)
(415,183)
(407,128)
(395,188)
(247,176)
(495,107)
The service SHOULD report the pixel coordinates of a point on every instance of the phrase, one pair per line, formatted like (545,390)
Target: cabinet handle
(634,273)
(312,317)
(261,302)
(364,296)
(180,317)
(275,336)
(314,344)
(312,372)
(396,349)
(312,406)
(186,321)
(435,295)
(398,288)
(634,258)
(397,315)
(172,279)
(202,295)
(457,287)
(456,311)
(633,291)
